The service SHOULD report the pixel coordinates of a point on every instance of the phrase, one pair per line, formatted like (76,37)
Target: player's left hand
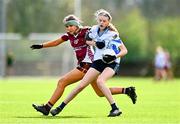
(100,44)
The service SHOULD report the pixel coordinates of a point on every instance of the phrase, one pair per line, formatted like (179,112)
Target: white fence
(44,62)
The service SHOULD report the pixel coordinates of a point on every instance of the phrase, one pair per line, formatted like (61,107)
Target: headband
(72,22)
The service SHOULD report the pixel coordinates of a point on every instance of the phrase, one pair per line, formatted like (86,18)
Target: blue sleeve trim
(118,41)
(116,50)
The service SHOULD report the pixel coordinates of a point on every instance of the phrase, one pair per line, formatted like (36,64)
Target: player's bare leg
(87,79)
(70,78)
(129,91)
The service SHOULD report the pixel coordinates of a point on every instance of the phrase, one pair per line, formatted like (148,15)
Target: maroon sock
(49,106)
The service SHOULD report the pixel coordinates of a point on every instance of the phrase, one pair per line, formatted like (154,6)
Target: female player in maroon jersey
(75,33)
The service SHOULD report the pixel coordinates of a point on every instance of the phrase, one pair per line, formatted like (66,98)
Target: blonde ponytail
(111,27)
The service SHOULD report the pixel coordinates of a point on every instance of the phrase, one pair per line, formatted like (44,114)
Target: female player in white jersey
(105,39)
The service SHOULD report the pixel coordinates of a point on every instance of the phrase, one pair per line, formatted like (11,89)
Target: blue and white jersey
(111,39)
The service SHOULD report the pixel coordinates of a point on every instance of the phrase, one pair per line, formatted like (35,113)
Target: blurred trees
(162,27)
(25,16)
(143,24)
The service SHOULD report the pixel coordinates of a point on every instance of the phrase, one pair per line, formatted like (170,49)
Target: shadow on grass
(53,117)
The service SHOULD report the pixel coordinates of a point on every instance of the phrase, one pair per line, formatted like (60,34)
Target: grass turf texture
(158,102)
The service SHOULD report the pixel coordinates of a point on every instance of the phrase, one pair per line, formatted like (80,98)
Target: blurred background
(143,25)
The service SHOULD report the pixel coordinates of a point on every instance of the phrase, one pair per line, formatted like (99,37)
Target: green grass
(158,102)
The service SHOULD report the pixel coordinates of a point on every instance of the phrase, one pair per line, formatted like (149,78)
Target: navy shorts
(99,65)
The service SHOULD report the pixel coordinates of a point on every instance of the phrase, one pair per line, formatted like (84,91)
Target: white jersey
(160,60)
(111,38)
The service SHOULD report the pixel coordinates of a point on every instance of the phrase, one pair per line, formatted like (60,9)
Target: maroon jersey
(78,42)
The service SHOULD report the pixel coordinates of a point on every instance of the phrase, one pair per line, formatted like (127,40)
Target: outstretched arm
(47,44)
(53,43)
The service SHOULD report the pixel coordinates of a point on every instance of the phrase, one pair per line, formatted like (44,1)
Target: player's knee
(62,82)
(100,83)
(100,94)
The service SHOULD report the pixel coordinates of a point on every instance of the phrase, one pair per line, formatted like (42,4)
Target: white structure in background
(2,42)
(43,36)
(77,8)
(67,55)
(3,38)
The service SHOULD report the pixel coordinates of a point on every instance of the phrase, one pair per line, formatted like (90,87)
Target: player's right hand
(36,46)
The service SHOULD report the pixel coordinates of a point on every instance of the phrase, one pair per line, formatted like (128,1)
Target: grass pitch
(158,102)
